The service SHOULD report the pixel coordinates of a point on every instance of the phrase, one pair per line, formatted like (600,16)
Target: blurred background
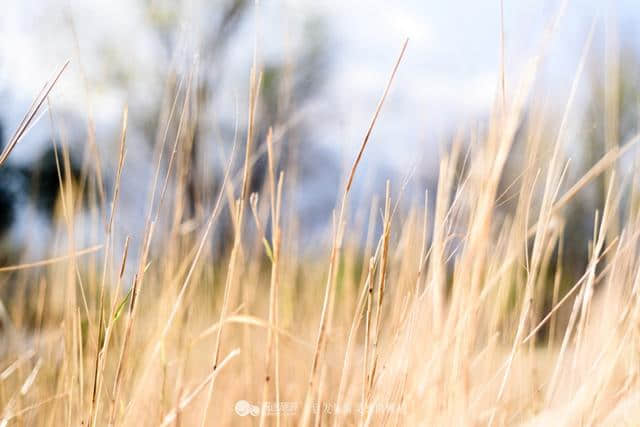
(325,65)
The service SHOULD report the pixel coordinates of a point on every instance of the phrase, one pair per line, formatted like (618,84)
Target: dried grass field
(419,309)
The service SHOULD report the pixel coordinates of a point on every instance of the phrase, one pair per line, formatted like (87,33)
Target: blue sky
(449,74)
(448,77)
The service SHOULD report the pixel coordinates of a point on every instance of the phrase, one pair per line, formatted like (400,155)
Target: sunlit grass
(406,317)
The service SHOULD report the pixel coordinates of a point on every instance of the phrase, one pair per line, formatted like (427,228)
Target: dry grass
(436,317)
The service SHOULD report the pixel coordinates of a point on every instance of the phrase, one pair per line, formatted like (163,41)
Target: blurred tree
(193,82)
(611,118)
